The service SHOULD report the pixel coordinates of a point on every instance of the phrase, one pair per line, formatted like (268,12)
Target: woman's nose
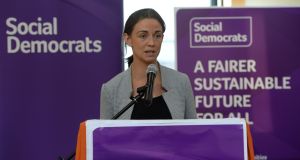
(151,41)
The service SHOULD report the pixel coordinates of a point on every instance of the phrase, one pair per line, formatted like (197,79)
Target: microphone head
(151,74)
(152,69)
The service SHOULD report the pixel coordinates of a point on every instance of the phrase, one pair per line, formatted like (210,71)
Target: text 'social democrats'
(206,32)
(39,37)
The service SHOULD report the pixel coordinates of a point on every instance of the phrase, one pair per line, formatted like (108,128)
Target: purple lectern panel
(183,142)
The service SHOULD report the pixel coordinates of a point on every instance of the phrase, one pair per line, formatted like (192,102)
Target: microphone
(151,74)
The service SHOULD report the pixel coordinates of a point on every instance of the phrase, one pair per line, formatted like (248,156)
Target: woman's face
(145,40)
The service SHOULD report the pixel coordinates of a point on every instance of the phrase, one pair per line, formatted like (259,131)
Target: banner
(54,57)
(244,63)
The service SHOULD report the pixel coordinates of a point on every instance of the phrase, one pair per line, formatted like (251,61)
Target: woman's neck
(138,71)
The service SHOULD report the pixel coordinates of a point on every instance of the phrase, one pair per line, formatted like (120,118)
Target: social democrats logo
(40,36)
(212,32)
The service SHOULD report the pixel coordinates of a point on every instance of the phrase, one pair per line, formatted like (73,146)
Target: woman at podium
(167,93)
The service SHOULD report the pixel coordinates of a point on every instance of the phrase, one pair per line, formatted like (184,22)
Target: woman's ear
(127,39)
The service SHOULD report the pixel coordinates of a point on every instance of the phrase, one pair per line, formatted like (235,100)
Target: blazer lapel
(126,90)
(170,96)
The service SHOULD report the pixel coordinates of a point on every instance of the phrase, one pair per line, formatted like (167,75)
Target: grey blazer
(115,94)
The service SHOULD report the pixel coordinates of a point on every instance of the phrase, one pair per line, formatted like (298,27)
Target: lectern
(164,140)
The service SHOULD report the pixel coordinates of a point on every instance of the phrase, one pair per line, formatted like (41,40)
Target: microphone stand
(134,100)
(141,91)
(69,158)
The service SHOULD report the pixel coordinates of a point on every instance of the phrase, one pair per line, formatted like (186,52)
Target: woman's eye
(158,36)
(143,36)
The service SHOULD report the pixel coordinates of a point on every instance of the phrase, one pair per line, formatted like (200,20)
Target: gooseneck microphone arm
(137,98)
(145,91)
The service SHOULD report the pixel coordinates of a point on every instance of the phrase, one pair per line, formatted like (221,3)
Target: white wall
(272,3)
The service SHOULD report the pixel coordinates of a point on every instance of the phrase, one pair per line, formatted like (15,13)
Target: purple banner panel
(244,63)
(170,141)
(54,57)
